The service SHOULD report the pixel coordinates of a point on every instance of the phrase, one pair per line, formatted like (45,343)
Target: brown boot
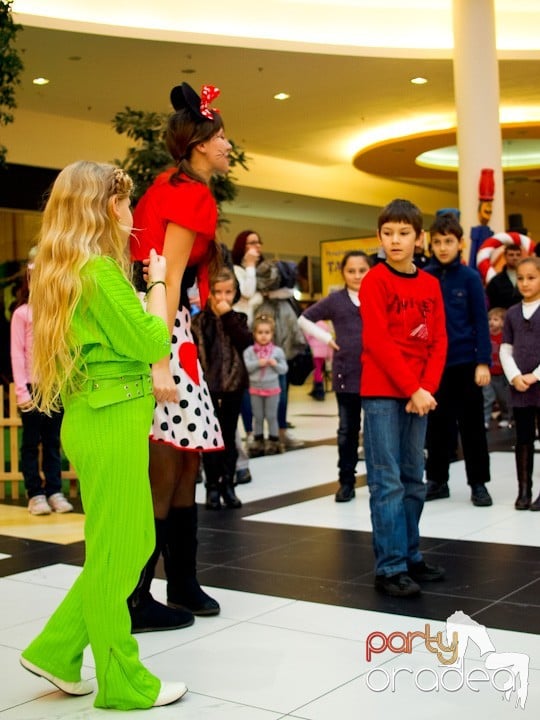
(256,447)
(524,468)
(535,505)
(272,446)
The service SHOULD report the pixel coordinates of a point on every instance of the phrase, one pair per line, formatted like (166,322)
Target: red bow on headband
(208,93)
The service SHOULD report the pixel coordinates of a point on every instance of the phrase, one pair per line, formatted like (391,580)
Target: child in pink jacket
(37,427)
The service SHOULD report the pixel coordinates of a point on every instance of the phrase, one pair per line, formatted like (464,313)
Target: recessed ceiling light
(40,81)
(419,81)
(281,96)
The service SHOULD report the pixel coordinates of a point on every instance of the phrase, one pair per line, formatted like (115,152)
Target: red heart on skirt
(187,354)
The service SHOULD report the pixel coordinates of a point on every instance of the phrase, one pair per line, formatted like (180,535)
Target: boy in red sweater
(404,351)
(498,388)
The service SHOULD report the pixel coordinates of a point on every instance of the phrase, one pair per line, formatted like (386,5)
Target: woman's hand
(165,389)
(251,257)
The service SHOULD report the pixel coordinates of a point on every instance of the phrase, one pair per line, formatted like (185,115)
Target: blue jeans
(283,401)
(394,450)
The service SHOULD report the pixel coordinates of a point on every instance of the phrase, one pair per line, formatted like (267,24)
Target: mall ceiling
(94,76)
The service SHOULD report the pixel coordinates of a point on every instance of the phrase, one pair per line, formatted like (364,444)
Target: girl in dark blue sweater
(342,308)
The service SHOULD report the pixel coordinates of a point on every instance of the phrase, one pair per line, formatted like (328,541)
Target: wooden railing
(13,476)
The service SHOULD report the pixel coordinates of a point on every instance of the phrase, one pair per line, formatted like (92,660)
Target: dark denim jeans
(349,409)
(394,449)
(40,428)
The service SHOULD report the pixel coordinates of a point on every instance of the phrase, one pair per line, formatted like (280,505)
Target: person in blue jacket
(459,398)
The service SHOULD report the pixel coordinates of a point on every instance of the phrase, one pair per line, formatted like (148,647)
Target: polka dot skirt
(190,424)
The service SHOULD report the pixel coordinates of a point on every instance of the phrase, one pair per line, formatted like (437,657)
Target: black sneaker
(345,493)
(480,496)
(436,491)
(424,572)
(399,585)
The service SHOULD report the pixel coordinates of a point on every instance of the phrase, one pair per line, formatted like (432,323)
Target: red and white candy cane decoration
(492,248)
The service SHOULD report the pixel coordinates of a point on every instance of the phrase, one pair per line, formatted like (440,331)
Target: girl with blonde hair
(93,344)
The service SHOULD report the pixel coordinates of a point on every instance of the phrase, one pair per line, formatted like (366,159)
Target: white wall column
(476,89)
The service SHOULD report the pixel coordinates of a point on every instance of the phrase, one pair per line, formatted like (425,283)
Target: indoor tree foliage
(11,67)
(149,156)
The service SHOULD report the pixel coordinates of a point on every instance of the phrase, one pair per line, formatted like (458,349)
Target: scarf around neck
(263,351)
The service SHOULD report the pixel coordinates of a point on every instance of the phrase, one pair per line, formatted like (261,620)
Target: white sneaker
(38,505)
(82,687)
(59,503)
(504,424)
(170,692)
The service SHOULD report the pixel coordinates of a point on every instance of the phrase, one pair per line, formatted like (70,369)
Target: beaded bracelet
(157,282)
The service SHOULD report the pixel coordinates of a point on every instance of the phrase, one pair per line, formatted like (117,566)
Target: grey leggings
(265,408)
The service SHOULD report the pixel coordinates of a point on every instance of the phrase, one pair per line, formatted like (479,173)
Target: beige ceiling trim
(396,157)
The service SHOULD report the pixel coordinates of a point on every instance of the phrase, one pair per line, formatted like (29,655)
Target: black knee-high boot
(524,468)
(180,556)
(147,614)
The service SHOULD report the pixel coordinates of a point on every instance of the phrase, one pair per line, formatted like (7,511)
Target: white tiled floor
(265,658)
(498,523)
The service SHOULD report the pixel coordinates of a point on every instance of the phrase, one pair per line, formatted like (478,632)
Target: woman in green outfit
(93,344)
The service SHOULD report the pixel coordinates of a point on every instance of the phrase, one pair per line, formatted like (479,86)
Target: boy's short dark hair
(446,224)
(402,211)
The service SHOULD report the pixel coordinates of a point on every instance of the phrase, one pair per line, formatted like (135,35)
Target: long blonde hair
(78,223)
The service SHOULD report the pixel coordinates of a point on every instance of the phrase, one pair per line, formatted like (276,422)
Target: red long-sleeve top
(404,333)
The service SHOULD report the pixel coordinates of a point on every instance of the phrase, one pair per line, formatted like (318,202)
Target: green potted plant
(11,67)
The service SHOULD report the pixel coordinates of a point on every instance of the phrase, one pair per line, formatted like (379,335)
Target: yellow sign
(332,252)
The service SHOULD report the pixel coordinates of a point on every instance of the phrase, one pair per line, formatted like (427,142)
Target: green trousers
(108,448)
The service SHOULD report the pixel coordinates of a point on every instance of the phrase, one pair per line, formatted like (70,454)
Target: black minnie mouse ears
(184,97)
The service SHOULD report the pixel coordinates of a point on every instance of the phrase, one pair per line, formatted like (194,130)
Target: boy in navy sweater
(459,398)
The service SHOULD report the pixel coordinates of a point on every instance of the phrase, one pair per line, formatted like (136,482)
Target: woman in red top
(177,216)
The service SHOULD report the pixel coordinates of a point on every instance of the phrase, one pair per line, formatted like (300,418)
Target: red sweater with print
(404,333)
